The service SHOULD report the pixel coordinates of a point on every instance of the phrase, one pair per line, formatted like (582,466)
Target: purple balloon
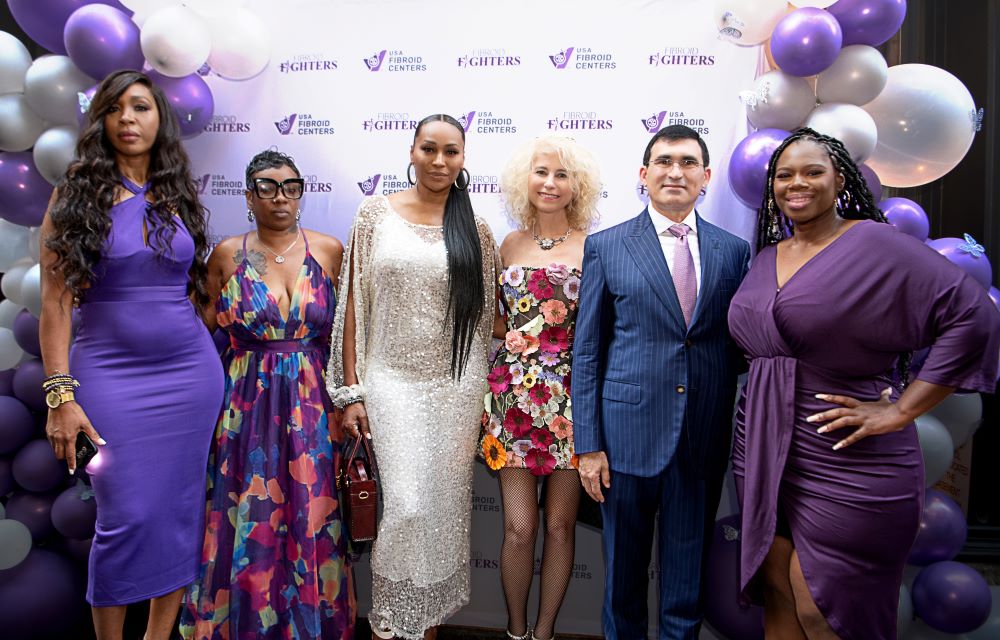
(33,510)
(722,586)
(79,549)
(6,476)
(16,424)
(874,184)
(870,22)
(907,216)
(806,41)
(942,530)
(36,467)
(191,99)
(45,20)
(967,254)
(41,597)
(28,378)
(748,164)
(26,333)
(100,39)
(24,193)
(994,294)
(6,382)
(951,597)
(74,512)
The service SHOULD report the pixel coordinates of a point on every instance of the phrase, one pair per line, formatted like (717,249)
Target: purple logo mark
(654,122)
(467,120)
(560,59)
(374,61)
(286,124)
(202,183)
(369,185)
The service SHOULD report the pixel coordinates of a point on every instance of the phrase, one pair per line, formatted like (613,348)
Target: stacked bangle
(343,396)
(59,388)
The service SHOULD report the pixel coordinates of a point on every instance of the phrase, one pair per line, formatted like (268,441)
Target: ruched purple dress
(151,384)
(838,326)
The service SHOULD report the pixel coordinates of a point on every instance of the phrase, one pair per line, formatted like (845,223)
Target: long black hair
(465,261)
(854,202)
(86,193)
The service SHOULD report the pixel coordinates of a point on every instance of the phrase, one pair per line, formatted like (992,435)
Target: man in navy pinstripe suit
(654,378)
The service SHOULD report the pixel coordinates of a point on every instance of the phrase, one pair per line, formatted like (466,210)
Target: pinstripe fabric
(656,397)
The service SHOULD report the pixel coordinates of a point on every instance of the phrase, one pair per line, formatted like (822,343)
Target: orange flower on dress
(494,452)
(553,311)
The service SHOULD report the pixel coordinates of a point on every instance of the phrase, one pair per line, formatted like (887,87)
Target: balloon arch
(908,124)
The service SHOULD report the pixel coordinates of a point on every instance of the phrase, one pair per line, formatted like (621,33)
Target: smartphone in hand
(85,450)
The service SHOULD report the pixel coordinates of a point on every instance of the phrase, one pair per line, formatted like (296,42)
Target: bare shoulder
(513,245)
(326,245)
(226,249)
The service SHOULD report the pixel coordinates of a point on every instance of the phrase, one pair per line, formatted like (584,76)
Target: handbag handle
(361,439)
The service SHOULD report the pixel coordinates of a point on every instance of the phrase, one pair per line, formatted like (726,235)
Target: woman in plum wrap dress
(125,237)
(826,457)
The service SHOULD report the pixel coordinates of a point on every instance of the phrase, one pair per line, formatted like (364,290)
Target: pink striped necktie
(682,272)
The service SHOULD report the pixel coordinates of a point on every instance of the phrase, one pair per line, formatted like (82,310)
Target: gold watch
(57,397)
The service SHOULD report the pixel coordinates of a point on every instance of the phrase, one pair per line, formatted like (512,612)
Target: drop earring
(250,216)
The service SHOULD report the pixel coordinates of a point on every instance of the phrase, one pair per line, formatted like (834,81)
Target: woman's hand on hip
(870,418)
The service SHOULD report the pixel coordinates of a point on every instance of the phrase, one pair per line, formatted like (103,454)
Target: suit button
(680,388)
(687,344)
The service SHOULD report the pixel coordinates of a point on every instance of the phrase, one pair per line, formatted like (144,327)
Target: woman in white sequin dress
(416,317)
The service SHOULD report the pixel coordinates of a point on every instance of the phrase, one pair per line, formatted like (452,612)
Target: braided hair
(854,202)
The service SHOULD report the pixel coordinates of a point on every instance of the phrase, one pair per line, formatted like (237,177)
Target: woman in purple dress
(124,238)
(826,457)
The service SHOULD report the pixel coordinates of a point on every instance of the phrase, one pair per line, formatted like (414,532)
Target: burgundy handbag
(358,486)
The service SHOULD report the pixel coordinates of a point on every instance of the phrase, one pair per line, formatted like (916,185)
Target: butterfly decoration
(753,98)
(83,101)
(977,119)
(971,247)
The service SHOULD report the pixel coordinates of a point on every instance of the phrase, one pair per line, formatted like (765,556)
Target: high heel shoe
(527,634)
(534,638)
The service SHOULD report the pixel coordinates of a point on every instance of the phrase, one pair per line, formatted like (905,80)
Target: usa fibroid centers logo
(585,58)
(304,124)
(384,183)
(486,122)
(394,61)
(369,184)
(658,120)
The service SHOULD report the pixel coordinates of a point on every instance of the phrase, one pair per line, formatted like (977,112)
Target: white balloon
(14,244)
(15,543)
(34,244)
(778,101)
(857,76)
(19,125)
(146,9)
(8,311)
(926,122)
(991,628)
(31,290)
(848,123)
(14,63)
(212,8)
(936,447)
(819,4)
(11,282)
(10,352)
(176,41)
(904,613)
(960,413)
(241,45)
(51,87)
(748,21)
(54,150)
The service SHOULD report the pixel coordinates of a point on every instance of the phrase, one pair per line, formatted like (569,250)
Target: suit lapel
(709,248)
(645,248)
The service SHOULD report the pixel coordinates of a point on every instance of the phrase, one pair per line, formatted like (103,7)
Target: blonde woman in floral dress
(552,187)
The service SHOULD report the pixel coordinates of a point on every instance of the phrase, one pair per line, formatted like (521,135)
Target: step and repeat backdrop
(348,82)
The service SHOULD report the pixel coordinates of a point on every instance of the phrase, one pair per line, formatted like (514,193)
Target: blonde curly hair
(585,178)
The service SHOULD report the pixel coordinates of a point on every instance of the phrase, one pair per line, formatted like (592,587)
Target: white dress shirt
(668,242)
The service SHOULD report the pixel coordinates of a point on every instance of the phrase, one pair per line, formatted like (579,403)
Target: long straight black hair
(465,261)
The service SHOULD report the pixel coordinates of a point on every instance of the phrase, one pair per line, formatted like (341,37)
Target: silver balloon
(904,613)
(15,543)
(15,244)
(848,123)
(960,413)
(11,282)
(19,124)
(926,121)
(34,244)
(936,446)
(31,290)
(8,311)
(14,62)
(241,45)
(176,41)
(10,352)
(54,150)
(778,101)
(857,76)
(51,87)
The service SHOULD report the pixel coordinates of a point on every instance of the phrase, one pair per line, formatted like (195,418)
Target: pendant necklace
(548,243)
(278,257)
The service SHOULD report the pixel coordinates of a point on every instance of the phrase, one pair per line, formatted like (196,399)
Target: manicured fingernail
(821,430)
(812,418)
(821,396)
(72,471)
(368,435)
(839,445)
(101,441)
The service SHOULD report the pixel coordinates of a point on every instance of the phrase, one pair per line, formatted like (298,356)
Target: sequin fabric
(424,425)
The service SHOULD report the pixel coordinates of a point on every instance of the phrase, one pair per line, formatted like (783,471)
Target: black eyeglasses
(267,189)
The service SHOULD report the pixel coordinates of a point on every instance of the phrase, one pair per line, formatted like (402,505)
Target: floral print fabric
(528,420)
(274,560)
